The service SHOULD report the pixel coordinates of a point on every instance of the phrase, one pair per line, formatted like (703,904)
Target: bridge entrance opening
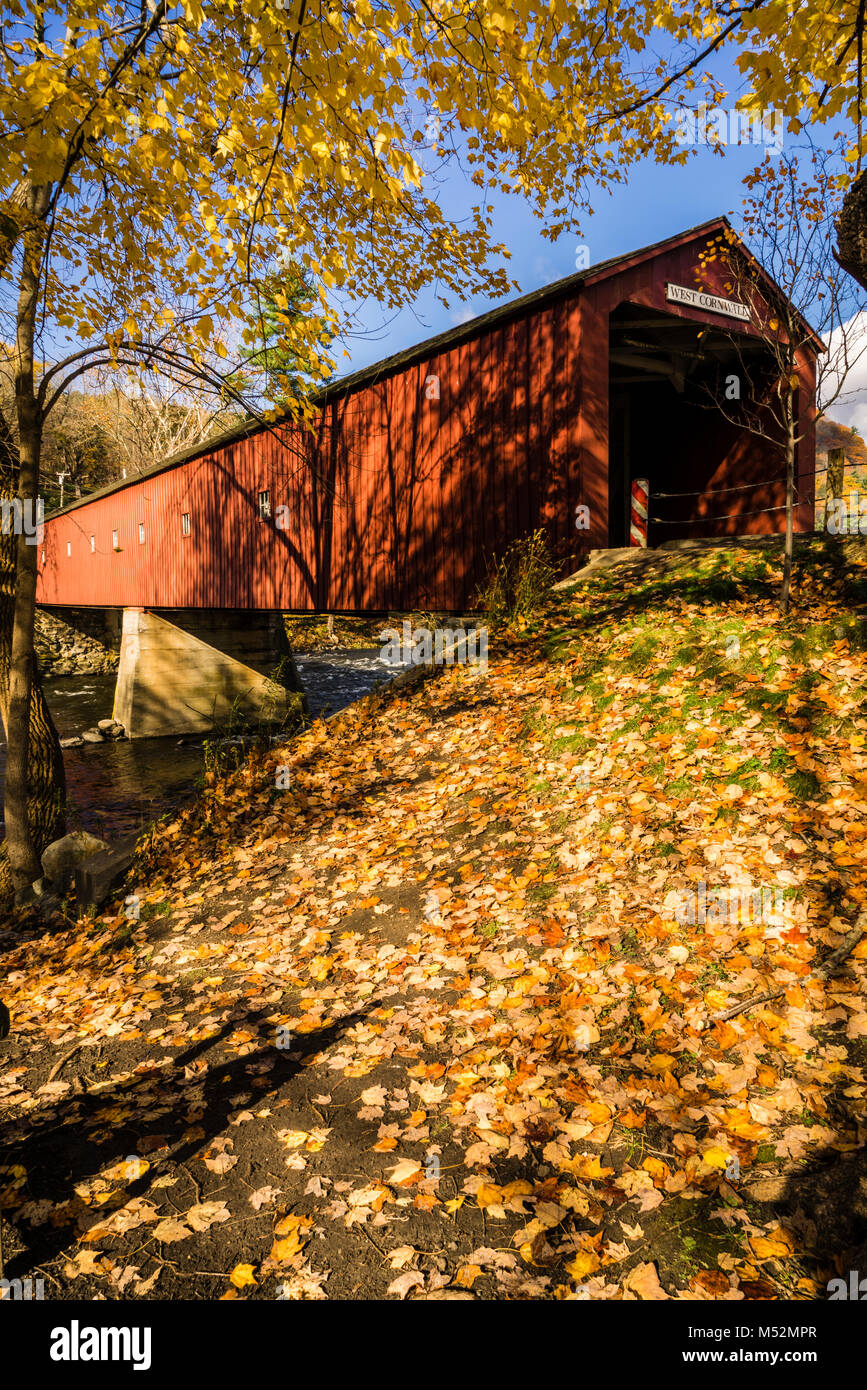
(676,390)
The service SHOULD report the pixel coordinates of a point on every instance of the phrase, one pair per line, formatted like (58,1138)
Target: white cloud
(850,407)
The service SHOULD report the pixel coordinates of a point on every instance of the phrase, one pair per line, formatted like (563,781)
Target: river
(119,785)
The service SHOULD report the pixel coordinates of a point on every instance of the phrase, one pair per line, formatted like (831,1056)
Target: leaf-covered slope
(435,1017)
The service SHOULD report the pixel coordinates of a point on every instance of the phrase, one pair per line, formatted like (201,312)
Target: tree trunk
(34,783)
(790,502)
(47,782)
(851,226)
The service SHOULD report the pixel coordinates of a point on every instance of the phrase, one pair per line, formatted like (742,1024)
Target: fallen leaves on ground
(432,1022)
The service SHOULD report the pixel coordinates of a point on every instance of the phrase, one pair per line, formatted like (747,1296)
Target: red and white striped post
(638,512)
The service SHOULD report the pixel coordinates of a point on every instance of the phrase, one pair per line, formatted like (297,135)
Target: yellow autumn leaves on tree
(189,149)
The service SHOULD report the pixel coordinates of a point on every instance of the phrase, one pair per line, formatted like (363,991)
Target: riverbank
(413,1008)
(116,787)
(89,648)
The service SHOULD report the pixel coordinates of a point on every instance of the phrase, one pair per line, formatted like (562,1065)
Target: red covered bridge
(420,468)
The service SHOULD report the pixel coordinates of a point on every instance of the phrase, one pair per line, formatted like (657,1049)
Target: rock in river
(62,856)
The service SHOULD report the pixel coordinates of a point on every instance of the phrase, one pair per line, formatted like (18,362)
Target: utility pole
(60,478)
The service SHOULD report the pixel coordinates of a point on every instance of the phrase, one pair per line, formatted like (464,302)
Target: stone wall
(77,641)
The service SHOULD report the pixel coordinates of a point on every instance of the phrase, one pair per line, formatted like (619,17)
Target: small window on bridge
(69,548)
(185,523)
(114,540)
(264,506)
(43,557)
(93,543)
(141,533)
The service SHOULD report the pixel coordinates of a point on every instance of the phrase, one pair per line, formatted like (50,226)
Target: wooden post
(834,478)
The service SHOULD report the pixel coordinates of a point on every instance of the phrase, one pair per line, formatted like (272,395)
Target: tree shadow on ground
(173,1111)
(825,1207)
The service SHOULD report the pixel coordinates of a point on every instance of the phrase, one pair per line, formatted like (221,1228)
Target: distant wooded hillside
(831,435)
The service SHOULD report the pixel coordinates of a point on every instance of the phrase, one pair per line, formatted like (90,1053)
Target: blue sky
(656,202)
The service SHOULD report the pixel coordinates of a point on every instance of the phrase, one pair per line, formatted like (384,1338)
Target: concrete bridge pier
(182,670)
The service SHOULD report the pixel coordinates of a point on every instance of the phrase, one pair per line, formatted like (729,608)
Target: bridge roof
(419,352)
